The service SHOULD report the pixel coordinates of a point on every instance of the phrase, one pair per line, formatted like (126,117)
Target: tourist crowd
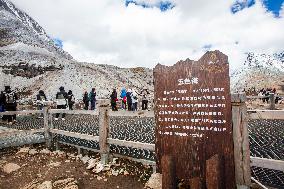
(66,100)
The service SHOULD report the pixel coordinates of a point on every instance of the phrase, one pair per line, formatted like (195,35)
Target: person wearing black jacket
(113,99)
(9,98)
(40,98)
(129,100)
(86,100)
(93,99)
(61,101)
(71,100)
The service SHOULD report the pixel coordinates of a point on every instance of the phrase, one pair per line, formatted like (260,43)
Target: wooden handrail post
(104,130)
(47,134)
(241,141)
(272,101)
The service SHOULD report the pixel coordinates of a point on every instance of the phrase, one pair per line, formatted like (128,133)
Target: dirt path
(52,167)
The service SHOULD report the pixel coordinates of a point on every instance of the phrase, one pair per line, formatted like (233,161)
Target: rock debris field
(34,167)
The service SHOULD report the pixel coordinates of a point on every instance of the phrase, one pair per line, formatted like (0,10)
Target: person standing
(145,94)
(40,99)
(93,99)
(61,102)
(86,100)
(134,99)
(129,101)
(71,99)
(113,100)
(2,109)
(123,97)
(10,98)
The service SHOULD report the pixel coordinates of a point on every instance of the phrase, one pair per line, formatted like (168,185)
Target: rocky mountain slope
(30,61)
(260,71)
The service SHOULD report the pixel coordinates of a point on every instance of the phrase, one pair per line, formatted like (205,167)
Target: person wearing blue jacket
(123,97)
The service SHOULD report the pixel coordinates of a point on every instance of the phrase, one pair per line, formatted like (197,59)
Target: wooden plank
(193,115)
(256,97)
(131,114)
(21,132)
(214,173)
(258,183)
(86,112)
(266,114)
(260,97)
(143,161)
(78,147)
(267,163)
(75,135)
(168,172)
(24,112)
(131,144)
(241,141)
(21,143)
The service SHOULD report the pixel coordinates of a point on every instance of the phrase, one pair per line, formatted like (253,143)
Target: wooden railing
(271,98)
(243,161)
(17,132)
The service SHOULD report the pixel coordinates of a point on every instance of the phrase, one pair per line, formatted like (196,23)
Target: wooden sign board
(193,115)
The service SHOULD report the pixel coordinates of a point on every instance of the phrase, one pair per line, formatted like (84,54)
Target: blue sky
(162,5)
(273,6)
(58,42)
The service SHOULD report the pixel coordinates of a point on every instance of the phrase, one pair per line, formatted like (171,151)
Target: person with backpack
(134,99)
(61,102)
(10,98)
(92,97)
(40,99)
(86,100)
(71,99)
(145,94)
(123,97)
(128,98)
(113,100)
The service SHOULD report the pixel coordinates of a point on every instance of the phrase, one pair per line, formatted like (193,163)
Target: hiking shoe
(55,119)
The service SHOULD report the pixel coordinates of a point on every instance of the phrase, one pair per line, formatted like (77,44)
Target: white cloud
(107,32)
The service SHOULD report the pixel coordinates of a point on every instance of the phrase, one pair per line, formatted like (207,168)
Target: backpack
(10,98)
(42,98)
(71,98)
(60,96)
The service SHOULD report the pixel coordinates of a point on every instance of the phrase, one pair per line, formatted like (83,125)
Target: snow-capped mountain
(259,71)
(30,61)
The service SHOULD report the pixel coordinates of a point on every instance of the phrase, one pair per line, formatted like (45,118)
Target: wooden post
(47,134)
(214,173)
(241,141)
(272,101)
(168,173)
(103,130)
